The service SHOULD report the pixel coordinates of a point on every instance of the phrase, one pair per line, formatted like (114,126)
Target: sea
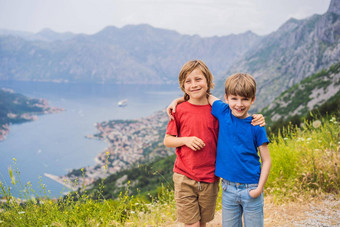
(56,143)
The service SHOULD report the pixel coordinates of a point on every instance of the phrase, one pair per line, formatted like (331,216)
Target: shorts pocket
(224,185)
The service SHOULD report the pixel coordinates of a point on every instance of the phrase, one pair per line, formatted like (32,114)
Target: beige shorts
(196,201)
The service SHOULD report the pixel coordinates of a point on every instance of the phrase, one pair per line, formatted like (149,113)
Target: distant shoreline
(27,117)
(4,130)
(60,180)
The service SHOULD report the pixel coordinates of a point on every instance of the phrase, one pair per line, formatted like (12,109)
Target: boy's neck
(247,115)
(203,101)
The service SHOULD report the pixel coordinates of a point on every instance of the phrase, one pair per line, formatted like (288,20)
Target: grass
(305,162)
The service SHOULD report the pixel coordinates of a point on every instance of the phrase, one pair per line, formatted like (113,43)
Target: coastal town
(129,142)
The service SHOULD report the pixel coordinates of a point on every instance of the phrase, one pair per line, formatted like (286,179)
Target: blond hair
(190,66)
(241,84)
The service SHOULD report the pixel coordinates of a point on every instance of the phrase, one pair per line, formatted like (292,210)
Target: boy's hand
(193,143)
(254,193)
(258,119)
(171,109)
(212,99)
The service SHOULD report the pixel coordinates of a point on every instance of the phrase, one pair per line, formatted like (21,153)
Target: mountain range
(138,54)
(142,54)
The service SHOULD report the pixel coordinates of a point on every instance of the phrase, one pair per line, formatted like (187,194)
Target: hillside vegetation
(304,164)
(142,179)
(318,94)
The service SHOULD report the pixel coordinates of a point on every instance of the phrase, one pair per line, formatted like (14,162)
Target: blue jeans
(237,201)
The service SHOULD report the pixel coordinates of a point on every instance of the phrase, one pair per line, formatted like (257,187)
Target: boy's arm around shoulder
(258,119)
(212,99)
(172,107)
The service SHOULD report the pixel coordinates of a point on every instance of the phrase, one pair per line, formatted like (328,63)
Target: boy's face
(196,86)
(239,105)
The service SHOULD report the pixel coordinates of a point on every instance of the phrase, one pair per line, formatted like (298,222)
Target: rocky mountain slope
(295,51)
(305,96)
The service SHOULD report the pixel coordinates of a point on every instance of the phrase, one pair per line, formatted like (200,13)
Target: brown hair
(241,84)
(190,66)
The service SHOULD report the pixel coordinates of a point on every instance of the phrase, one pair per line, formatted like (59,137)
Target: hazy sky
(202,17)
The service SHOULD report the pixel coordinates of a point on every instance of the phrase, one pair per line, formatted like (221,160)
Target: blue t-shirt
(237,157)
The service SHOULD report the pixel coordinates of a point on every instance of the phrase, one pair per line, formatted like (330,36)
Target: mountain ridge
(296,50)
(116,55)
(310,93)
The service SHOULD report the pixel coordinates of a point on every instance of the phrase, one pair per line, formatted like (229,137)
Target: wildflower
(285,138)
(33,199)
(316,124)
(21,212)
(14,160)
(309,139)
(11,175)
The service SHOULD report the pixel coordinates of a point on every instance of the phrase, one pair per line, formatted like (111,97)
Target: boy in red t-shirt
(194,133)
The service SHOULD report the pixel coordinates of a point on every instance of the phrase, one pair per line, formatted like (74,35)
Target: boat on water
(122,103)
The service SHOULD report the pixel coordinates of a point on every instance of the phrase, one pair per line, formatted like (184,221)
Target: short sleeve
(218,107)
(261,136)
(172,128)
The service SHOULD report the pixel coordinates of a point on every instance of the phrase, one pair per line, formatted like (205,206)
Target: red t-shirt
(195,120)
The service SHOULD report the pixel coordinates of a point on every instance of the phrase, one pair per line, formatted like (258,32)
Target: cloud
(203,17)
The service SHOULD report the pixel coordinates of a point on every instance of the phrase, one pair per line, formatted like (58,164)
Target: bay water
(56,143)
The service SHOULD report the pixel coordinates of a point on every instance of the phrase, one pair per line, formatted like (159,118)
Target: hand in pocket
(254,193)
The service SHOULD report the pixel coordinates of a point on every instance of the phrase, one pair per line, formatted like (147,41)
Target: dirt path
(314,212)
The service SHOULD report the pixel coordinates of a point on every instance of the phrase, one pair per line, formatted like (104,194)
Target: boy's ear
(226,98)
(252,101)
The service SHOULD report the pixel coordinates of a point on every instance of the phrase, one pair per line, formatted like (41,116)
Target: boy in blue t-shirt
(237,161)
